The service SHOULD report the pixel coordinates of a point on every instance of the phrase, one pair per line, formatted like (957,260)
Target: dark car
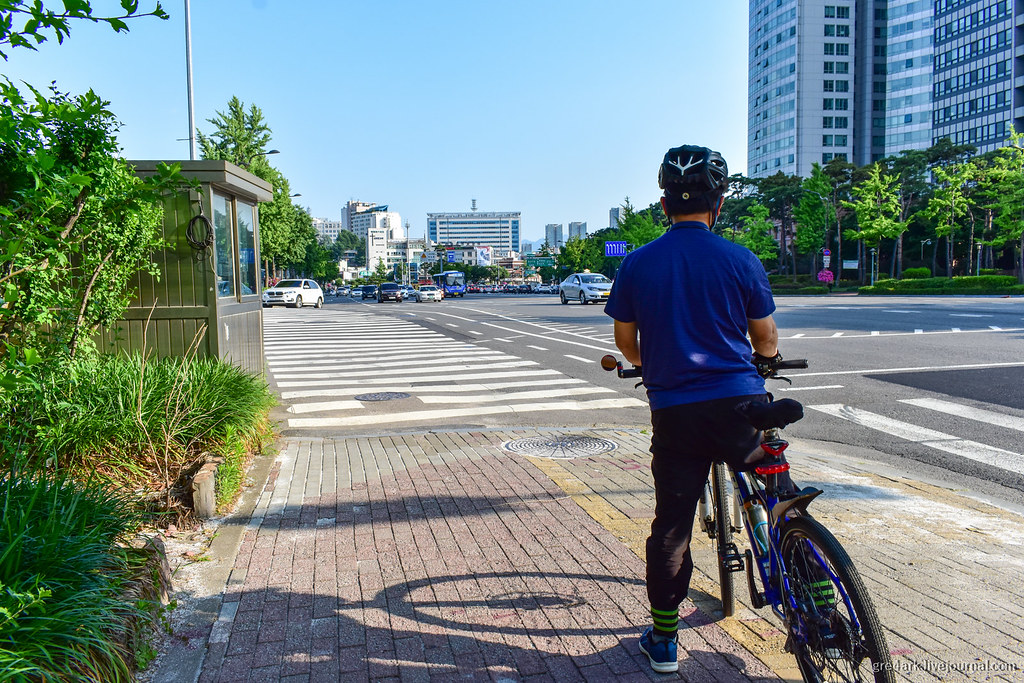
(389,291)
(369,291)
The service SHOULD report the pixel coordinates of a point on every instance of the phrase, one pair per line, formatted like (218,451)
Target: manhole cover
(560,447)
(381,396)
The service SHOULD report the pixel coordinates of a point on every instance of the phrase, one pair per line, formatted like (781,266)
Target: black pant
(686,440)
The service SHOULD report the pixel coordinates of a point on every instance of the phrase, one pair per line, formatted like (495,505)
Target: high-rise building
(328,229)
(615,216)
(496,229)
(526,247)
(553,237)
(577,230)
(864,79)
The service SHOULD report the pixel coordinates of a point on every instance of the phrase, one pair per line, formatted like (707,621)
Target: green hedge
(916,273)
(973,284)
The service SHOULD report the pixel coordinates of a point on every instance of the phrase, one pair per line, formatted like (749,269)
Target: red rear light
(772,469)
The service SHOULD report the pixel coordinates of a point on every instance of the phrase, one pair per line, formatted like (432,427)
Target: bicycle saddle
(776,414)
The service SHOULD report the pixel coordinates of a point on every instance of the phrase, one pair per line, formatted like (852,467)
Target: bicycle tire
(720,484)
(830,651)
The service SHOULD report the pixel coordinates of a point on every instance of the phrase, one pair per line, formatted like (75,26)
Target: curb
(185,662)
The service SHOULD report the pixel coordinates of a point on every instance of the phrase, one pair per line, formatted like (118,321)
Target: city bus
(451,282)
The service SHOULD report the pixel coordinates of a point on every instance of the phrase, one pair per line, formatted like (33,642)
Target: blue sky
(558,108)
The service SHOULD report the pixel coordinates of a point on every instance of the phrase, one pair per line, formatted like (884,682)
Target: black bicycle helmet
(690,172)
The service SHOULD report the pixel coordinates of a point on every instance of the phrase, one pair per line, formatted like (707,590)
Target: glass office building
(864,79)
(497,229)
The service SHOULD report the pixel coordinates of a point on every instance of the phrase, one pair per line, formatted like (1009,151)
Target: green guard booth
(206,299)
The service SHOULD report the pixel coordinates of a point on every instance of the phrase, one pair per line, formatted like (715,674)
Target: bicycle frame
(770,565)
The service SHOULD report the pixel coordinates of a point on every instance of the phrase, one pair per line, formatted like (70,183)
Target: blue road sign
(826,252)
(614,248)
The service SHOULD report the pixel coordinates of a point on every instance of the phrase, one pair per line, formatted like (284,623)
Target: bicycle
(807,578)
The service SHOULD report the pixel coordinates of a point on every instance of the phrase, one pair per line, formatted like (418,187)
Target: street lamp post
(873,250)
(924,242)
(248,160)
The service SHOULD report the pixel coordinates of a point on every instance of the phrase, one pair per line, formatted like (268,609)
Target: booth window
(222,230)
(247,267)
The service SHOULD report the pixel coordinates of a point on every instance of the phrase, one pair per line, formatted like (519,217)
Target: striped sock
(666,623)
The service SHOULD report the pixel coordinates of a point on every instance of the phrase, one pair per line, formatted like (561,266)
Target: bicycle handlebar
(610,363)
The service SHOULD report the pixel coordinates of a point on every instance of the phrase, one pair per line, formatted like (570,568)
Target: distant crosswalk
(938,440)
(322,363)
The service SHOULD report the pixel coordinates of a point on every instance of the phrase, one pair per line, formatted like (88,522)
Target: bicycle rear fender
(798,504)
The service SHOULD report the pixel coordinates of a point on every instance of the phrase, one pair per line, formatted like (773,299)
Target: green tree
(876,205)
(580,254)
(638,228)
(951,204)
(41,23)
(780,193)
(379,274)
(756,234)
(813,215)
(1008,177)
(76,224)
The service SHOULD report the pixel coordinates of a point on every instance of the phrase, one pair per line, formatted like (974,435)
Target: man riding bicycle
(683,308)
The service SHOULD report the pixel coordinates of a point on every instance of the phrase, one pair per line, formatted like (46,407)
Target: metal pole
(188,72)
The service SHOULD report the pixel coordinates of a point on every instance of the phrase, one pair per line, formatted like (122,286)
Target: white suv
(584,287)
(294,293)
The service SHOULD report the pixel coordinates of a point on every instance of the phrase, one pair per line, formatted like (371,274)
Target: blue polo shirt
(691,292)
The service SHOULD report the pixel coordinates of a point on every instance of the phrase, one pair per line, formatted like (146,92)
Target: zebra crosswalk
(324,364)
(934,439)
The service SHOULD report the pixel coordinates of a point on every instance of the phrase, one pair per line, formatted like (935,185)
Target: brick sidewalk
(439,557)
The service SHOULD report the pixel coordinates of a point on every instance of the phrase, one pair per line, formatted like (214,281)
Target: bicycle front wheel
(834,639)
(723,532)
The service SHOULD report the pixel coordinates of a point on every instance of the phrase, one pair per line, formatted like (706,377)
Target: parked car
(428,293)
(389,291)
(294,293)
(585,287)
(368,291)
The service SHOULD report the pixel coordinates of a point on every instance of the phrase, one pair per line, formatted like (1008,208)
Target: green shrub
(916,273)
(61,572)
(140,423)
(788,279)
(989,271)
(1017,289)
(982,281)
(234,451)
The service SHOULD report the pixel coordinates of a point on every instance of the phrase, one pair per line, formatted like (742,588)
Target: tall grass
(144,423)
(60,575)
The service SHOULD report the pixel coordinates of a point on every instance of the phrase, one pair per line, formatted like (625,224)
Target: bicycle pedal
(731,559)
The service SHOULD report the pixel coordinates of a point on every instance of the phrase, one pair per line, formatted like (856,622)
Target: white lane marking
(987,416)
(408,371)
(956,329)
(300,408)
(797,336)
(875,333)
(585,360)
(452,325)
(893,310)
(517,395)
(474,332)
(823,386)
(970,315)
(391,356)
(557,340)
(433,320)
(838,334)
(947,443)
(507,341)
(390,364)
(993,327)
(427,388)
(914,369)
(901,334)
(539,348)
(414,378)
(413,416)
(919,331)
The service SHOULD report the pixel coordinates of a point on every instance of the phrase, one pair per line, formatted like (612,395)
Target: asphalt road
(930,385)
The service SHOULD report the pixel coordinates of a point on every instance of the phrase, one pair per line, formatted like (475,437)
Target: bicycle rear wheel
(823,634)
(721,484)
